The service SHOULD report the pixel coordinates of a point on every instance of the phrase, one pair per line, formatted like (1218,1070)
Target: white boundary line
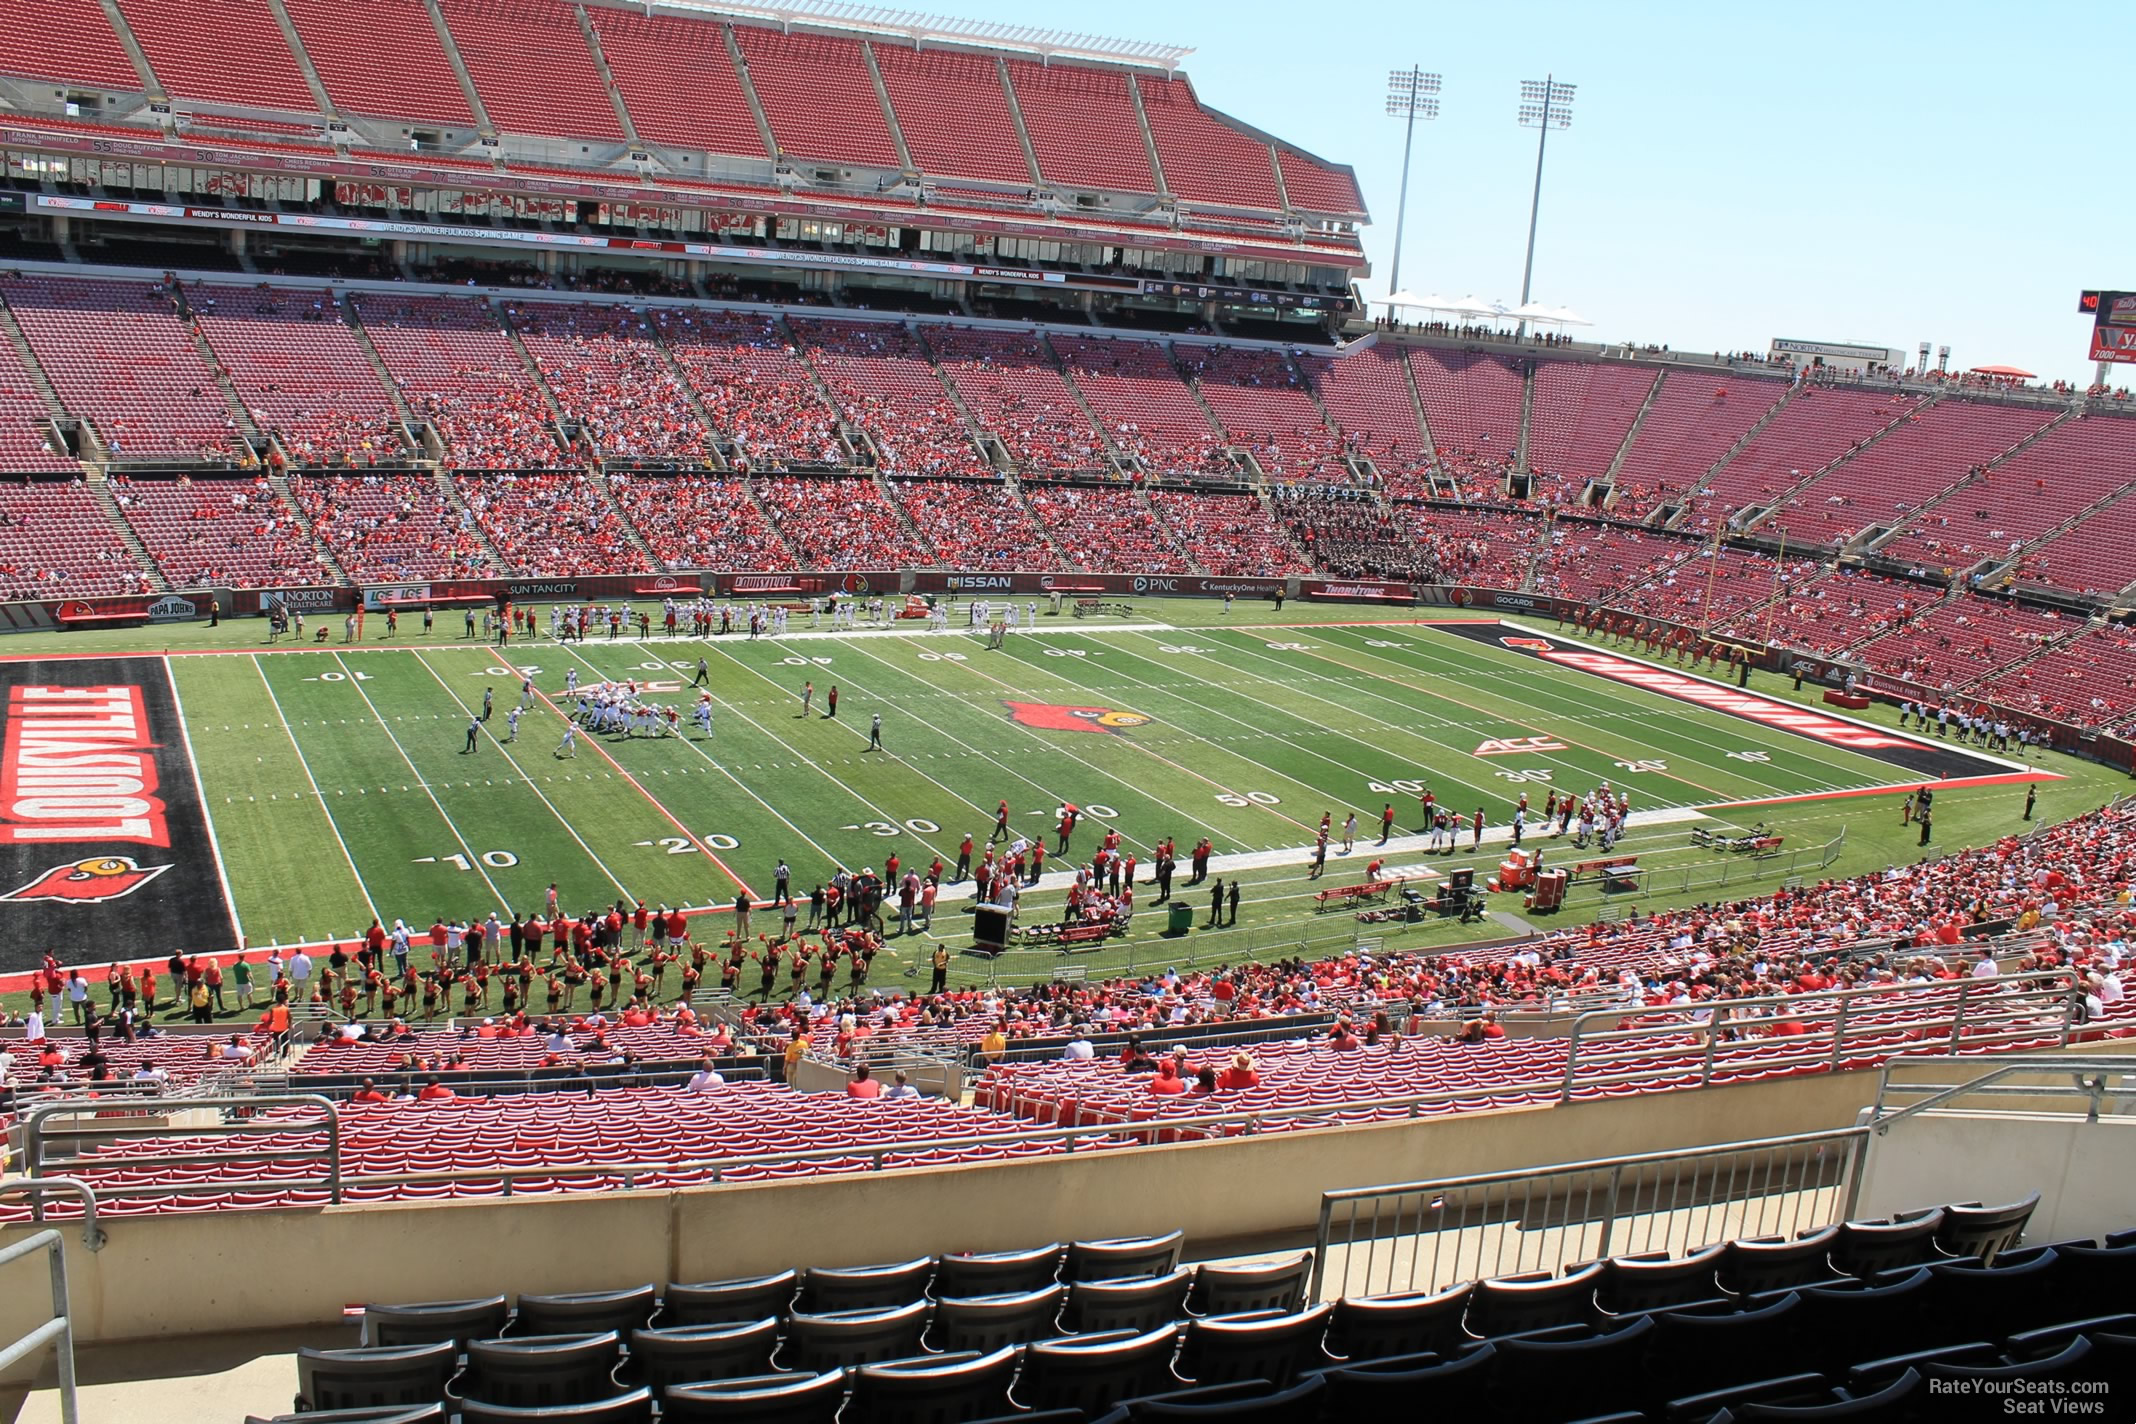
(513,762)
(332,825)
(439,806)
(185,735)
(1821,711)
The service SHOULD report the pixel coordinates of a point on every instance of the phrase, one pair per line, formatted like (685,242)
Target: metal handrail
(2097,1090)
(58,1330)
(33,1127)
(1723,1013)
(93,1236)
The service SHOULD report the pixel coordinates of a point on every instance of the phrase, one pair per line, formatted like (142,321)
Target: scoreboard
(2113,317)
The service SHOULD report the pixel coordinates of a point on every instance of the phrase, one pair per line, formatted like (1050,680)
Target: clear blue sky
(1890,173)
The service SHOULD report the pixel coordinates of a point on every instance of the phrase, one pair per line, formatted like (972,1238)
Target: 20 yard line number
(683,845)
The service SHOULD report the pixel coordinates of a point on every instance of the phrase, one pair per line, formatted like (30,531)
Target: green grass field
(338,787)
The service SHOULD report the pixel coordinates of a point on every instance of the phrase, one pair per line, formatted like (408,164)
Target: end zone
(104,838)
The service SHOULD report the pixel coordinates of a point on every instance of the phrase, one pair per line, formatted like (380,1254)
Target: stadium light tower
(1545,104)
(1411,95)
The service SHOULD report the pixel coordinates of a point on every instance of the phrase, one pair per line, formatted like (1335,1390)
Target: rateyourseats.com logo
(2025,1398)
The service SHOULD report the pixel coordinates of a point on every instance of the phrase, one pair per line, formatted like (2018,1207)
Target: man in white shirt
(1079,1048)
(1986,967)
(901,1088)
(300,973)
(705,1077)
(33,1028)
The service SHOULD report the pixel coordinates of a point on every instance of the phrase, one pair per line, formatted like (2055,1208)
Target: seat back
(1893,1403)
(987,1322)
(1236,1290)
(824,1292)
(1633,1287)
(534,1371)
(1392,1389)
(1565,1379)
(862,1337)
(400,1376)
(735,1302)
(1089,1374)
(693,1354)
(1263,1405)
(429,1322)
(1835,1320)
(2101,1280)
(420,1414)
(762,1399)
(1764,1264)
(1377,1327)
(1507,1307)
(587,1313)
(1266,1345)
(1124,1257)
(635,1407)
(1141,1304)
(997,1273)
(940,1389)
(1866,1249)
(2022,1293)
(1985,1232)
(1710,1351)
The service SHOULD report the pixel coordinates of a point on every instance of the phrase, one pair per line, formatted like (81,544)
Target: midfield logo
(1054,717)
(1514,746)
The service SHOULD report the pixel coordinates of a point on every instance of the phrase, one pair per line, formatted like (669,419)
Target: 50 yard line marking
(282,717)
(465,849)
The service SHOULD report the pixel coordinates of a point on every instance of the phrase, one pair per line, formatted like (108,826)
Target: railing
(240,1118)
(2002,1012)
(58,1329)
(2064,1078)
(1421,1236)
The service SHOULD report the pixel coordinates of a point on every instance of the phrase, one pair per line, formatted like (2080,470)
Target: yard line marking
(361,888)
(569,829)
(465,849)
(222,875)
(847,726)
(1057,799)
(742,785)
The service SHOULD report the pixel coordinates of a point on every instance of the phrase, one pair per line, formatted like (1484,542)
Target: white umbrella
(1566,316)
(1473,305)
(1534,311)
(1431,301)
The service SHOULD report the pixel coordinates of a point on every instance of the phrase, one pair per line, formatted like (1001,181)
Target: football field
(337,785)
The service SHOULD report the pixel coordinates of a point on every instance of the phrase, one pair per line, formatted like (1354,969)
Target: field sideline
(338,789)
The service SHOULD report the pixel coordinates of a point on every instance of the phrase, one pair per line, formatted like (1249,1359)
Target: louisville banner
(104,844)
(1054,717)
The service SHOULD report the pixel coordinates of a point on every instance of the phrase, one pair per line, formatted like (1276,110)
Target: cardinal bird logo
(1533,645)
(88,882)
(1053,717)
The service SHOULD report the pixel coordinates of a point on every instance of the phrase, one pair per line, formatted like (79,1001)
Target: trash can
(1179,918)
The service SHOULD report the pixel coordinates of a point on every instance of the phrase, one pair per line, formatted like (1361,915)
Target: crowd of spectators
(606,371)
(839,523)
(754,389)
(700,522)
(1105,528)
(217,533)
(1229,535)
(974,524)
(1013,389)
(883,381)
(387,527)
(552,525)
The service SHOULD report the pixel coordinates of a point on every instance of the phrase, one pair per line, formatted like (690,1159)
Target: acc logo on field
(1055,717)
(1513,746)
(88,882)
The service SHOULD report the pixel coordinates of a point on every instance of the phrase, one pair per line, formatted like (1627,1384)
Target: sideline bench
(1764,846)
(1065,937)
(1372,892)
(1614,873)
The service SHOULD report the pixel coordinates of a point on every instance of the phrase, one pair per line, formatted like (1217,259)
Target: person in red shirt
(434,1092)
(863,1085)
(368,1093)
(641,919)
(1167,1083)
(1240,1075)
(678,925)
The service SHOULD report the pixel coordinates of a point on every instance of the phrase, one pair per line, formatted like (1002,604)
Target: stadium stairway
(557,422)
(990,447)
(459,68)
(1609,476)
(450,490)
(1527,421)
(851,434)
(419,433)
(99,487)
(278,481)
(30,365)
(1059,556)
(1685,495)
(1795,491)
(1875,537)
(239,411)
(1082,401)
(1193,384)
(696,402)
(1416,400)
(1164,528)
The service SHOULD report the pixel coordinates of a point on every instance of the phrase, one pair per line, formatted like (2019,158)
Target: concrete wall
(2083,1171)
(251,1270)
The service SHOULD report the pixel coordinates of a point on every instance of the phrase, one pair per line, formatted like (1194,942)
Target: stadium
(791,713)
